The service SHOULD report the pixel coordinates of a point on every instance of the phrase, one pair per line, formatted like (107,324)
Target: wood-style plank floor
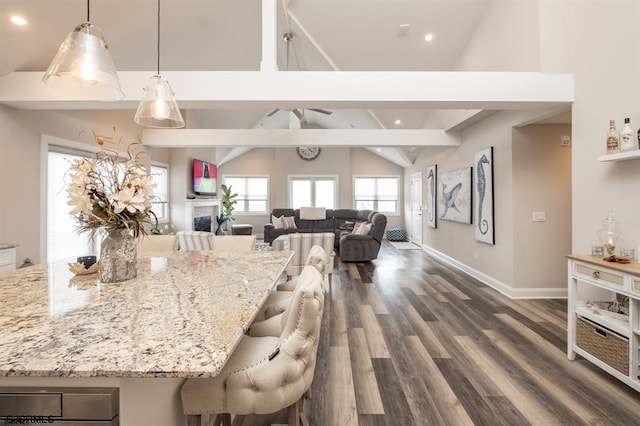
(407,340)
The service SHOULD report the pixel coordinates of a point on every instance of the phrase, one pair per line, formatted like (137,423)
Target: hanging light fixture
(158,107)
(83,65)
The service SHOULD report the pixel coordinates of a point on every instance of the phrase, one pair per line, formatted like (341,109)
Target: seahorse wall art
(431,177)
(485,228)
(483,224)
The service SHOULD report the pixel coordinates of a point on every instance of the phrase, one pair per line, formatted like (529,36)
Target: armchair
(301,244)
(362,248)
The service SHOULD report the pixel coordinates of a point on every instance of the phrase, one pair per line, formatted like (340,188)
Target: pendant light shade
(83,66)
(158,107)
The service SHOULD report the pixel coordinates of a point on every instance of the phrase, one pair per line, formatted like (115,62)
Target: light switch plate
(539,216)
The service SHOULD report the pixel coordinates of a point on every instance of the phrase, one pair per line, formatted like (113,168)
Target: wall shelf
(621,156)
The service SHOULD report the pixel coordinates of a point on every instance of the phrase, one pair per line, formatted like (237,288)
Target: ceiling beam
(270,138)
(315,89)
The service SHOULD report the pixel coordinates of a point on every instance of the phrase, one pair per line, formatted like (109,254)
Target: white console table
(586,273)
(7,257)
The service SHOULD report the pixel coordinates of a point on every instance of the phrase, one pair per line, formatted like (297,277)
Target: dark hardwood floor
(407,340)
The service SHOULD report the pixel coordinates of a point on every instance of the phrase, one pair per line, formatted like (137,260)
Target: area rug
(404,245)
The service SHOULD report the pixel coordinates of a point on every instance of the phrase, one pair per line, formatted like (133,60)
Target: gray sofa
(352,247)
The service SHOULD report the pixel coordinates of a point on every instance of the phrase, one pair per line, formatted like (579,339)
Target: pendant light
(83,65)
(158,107)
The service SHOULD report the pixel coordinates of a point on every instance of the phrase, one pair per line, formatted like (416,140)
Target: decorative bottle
(627,140)
(613,142)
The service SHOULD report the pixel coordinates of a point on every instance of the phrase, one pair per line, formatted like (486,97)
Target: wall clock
(308,153)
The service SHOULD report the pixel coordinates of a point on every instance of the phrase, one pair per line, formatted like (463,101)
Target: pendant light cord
(158,37)
(88,8)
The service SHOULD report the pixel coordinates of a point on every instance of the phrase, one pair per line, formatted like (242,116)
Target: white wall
(599,42)
(541,183)
(20,171)
(506,39)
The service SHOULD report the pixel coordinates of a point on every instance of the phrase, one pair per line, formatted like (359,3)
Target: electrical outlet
(565,140)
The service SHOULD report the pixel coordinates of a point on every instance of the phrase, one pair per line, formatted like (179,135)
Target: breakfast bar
(181,317)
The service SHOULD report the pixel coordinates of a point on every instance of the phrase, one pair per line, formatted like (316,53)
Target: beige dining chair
(157,244)
(194,240)
(265,374)
(233,243)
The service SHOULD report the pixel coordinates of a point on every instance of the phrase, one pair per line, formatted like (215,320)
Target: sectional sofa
(352,247)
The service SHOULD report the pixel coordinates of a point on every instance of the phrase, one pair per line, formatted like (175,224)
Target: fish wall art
(454,199)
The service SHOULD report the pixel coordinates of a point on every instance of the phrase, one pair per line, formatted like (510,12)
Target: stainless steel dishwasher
(72,406)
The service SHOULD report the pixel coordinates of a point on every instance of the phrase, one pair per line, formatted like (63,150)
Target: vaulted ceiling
(227,35)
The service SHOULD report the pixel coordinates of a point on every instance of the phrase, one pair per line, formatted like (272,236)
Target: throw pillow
(362,228)
(289,222)
(356,227)
(277,222)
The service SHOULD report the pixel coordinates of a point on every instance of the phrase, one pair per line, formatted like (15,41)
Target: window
(376,193)
(160,176)
(312,191)
(252,193)
(63,240)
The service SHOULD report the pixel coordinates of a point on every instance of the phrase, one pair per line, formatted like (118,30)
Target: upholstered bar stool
(280,298)
(265,374)
(274,324)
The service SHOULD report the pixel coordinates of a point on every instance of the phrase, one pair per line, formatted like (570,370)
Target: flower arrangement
(110,192)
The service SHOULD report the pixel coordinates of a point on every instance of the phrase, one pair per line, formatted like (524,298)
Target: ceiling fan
(288,37)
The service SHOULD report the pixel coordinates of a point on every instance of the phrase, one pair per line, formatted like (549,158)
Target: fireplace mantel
(191,205)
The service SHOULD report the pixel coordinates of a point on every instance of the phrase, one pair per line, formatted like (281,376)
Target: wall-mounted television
(205,178)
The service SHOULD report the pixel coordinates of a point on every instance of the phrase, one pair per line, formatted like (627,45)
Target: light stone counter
(181,317)
(4,246)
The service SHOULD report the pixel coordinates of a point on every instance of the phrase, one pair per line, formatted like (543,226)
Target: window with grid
(160,176)
(378,193)
(63,240)
(252,193)
(313,191)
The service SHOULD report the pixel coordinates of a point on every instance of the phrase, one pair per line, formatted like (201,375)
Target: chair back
(194,240)
(282,377)
(157,244)
(233,243)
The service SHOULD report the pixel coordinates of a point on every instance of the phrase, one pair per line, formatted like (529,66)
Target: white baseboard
(507,290)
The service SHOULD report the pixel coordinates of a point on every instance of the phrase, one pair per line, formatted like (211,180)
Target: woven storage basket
(604,344)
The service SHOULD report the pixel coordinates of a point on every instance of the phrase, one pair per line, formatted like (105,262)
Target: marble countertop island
(181,317)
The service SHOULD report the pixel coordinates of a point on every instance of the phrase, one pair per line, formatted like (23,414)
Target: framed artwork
(483,209)
(432,185)
(454,200)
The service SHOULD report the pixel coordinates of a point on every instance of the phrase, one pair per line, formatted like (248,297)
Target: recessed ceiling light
(378,149)
(398,122)
(18,20)
(428,37)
